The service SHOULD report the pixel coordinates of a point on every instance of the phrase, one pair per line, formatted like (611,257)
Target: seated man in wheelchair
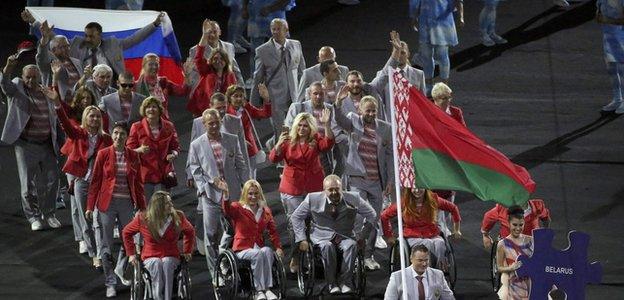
(420,208)
(332,216)
(251,217)
(160,226)
(534,211)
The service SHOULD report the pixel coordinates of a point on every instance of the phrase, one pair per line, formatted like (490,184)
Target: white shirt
(424,281)
(163,228)
(278,46)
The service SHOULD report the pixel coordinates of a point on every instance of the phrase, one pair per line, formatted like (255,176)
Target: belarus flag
(120,24)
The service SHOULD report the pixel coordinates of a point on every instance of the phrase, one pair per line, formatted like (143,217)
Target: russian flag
(120,24)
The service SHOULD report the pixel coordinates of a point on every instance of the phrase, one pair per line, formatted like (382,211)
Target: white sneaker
(259,296)
(36,225)
(120,273)
(270,295)
(333,289)
(345,289)
(82,247)
(115,232)
(111,292)
(612,106)
(380,243)
(53,222)
(371,264)
(561,3)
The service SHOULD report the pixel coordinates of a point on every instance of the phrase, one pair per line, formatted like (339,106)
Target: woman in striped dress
(507,252)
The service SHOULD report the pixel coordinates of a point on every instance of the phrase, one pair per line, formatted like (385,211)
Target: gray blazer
(232,125)
(229,48)
(204,169)
(112,48)
(44,58)
(436,287)
(323,225)
(381,83)
(313,74)
(110,104)
(353,124)
(90,85)
(283,86)
(368,90)
(18,111)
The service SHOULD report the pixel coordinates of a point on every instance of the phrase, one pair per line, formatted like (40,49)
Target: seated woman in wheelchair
(420,208)
(534,211)
(251,217)
(160,226)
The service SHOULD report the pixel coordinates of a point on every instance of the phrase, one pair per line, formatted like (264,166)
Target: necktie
(334,210)
(284,55)
(421,288)
(93,57)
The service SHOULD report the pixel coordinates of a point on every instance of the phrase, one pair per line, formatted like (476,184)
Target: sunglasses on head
(126,85)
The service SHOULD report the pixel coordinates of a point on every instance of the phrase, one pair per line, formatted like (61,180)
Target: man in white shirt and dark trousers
(422,282)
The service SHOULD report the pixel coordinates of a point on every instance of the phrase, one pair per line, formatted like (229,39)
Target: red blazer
(168,87)
(103,180)
(249,112)
(247,231)
(415,228)
(77,145)
(154,164)
(456,113)
(66,149)
(165,246)
(303,172)
(499,213)
(200,97)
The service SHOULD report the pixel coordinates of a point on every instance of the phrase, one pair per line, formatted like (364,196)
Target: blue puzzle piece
(567,269)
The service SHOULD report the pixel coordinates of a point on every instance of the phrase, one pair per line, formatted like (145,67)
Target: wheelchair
(141,287)
(312,266)
(450,274)
(495,276)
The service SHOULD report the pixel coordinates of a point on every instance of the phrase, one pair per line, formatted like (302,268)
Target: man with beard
(314,73)
(357,89)
(369,166)
(333,214)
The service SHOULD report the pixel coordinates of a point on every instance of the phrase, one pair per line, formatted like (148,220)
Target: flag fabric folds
(436,152)
(120,24)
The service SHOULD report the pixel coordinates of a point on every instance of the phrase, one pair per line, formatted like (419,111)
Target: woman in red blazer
(215,74)
(240,107)
(83,141)
(442,96)
(303,173)
(251,217)
(420,226)
(116,190)
(157,141)
(160,226)
(160,87)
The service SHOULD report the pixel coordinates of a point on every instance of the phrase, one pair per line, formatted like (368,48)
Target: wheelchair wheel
(359,275)
(395,257)
(306,275)
(494,275)
(279,277)
(183,281)
(226,276)
(451,272)
(141,287)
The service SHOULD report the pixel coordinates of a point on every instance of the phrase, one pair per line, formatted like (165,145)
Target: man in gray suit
(332,216)
(399,60)
(313,73)
(100,85)
(369,167)
(279,64)
(357,89)
(71,68)
(421,281)
(216,163)
(213,33)
(124,104)
(30,125)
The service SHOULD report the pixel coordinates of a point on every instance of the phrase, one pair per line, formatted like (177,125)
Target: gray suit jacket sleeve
(43,60)
(446,293)
(201,179)
(291,114)
(297,219)
(137,37)
(342,120)
(259,77)
(8,86)
(392,290)
(241,165)
(368,213)
(302,64)
(304,82)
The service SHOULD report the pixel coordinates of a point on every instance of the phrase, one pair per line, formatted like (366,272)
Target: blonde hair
(146,58)
(367,99)
(211,112)
(102,68)
(155,216)
(246,187)
(149,101)
(440,89)
(86,112)
(294,138)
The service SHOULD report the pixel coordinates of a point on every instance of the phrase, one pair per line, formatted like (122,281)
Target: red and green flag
(434,151)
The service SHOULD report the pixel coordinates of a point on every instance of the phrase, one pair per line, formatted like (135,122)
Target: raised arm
(142,34)
(342,120)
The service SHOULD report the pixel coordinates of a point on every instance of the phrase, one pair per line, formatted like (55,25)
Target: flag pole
(397,186)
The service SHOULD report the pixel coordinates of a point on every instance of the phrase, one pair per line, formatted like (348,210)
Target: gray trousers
(372,192)
(278,114)
(349,253)
(150,188)
(83,229)
(38,172)
(261,262)
(161,272)
(435,245)
(211,216)
(290,203)
(122,210)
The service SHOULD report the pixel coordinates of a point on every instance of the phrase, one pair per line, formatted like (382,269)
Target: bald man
(313,73)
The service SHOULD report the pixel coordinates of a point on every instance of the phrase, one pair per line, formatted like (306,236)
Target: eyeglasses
(126,85)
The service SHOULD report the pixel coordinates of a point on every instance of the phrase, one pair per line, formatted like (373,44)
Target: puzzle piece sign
(567,269)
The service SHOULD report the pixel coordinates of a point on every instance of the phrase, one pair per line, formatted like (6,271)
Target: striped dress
(514,287)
